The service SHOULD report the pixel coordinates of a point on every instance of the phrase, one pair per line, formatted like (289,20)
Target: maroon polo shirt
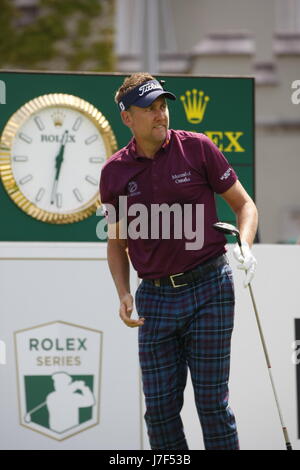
(188,169)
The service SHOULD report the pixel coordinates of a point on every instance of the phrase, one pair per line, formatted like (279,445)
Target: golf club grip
(287,439)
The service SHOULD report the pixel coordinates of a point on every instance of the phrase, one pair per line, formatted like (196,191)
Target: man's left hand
(247,260)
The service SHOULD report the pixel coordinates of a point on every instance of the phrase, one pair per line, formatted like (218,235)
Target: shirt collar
(133,151)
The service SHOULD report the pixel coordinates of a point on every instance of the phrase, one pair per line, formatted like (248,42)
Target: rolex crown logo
(194,103)
(58,118)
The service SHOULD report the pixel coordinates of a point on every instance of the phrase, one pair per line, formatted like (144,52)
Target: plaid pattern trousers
(187,327)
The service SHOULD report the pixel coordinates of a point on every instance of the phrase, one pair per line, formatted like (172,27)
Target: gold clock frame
(33,106)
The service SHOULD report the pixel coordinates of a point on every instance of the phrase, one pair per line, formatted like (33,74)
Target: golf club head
(228,229)
(27,418)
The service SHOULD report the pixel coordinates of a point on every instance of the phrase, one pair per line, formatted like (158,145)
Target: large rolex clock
(51,154)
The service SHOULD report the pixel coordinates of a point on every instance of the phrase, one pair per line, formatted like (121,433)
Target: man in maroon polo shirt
(159,194)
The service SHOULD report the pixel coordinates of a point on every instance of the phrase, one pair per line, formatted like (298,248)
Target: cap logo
(148,87)
(139,95)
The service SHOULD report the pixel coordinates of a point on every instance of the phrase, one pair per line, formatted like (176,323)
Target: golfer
(185,301)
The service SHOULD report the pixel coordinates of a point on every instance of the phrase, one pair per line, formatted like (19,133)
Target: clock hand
(58,161)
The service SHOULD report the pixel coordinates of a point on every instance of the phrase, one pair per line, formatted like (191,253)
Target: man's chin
(160,134)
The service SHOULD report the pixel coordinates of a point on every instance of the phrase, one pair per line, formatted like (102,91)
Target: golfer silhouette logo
(58,394)
(64,402)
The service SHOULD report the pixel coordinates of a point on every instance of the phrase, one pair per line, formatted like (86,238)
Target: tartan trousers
(187,327)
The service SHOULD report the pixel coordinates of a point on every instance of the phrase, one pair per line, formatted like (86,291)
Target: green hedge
(33,45)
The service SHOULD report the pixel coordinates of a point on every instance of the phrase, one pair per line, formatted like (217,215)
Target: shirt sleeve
(108,197)
(220,174)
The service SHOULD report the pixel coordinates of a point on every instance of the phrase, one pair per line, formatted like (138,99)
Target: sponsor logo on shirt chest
(184,177)
(133,189)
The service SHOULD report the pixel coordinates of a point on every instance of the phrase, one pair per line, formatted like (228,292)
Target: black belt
(183,279)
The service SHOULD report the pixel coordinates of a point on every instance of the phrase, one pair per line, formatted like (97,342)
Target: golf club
(27,417)
(232,230)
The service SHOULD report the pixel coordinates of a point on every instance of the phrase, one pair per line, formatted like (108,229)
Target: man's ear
(126,118)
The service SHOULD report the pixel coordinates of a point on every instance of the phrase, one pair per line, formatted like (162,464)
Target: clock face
(55,155)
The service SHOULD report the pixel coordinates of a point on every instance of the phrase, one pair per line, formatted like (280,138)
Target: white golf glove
(248,262)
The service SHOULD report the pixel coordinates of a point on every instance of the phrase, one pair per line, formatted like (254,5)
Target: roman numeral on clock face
(91,180)
(77,194)
(25,179)
(59,200)
(40,194)
(25,138)
(91,139)
(39,123)
(77,124)
(20,158)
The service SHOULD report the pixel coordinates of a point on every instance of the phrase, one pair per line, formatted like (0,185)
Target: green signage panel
(67,135)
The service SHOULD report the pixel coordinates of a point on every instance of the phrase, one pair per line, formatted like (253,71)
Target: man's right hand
(125,311)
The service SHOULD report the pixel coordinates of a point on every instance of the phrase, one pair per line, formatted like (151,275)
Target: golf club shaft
(229,229)
(284,429)
(36,408)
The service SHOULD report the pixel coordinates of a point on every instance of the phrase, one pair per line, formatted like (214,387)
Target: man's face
(149,124)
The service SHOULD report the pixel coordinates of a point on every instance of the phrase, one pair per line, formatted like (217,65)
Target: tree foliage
(62,31)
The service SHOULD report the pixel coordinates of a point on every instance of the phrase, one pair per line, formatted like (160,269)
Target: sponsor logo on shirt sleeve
(226,175)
